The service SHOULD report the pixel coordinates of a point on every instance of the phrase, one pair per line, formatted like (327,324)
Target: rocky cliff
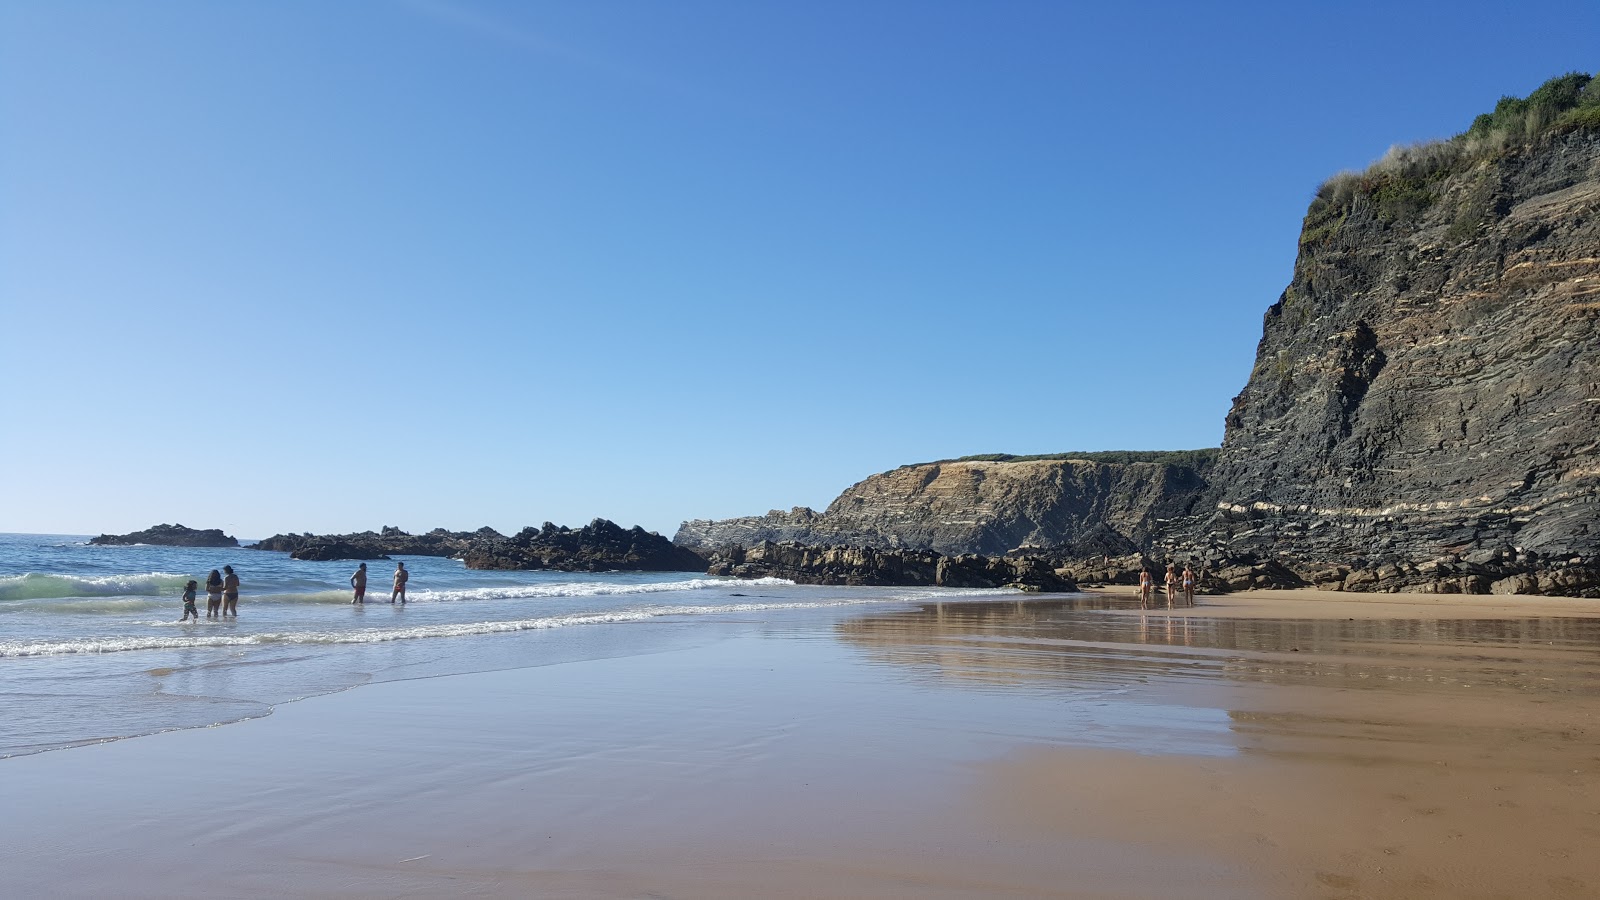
(1423,413)
(1424,410)
(1067,506)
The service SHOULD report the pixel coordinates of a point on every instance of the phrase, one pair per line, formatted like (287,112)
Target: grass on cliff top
(1405,181)
(1194,459)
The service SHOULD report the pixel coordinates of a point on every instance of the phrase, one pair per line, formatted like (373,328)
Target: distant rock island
(169,536)
(1423,414)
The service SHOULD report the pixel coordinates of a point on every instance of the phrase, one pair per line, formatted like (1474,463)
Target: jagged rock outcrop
(869,566)
(1059,507)
(170,536)
(324,551)
(600,546)
(1424,411)
(376,544)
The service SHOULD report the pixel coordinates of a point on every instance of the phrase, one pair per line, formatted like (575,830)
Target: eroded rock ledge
(867,566)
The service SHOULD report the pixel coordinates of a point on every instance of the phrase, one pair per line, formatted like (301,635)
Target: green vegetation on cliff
(1407,181)
(1193,459)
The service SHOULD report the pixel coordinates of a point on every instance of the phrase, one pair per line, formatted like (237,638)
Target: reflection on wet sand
(1062,644)
(1388,758)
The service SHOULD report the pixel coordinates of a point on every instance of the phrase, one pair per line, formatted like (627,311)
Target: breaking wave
(33,586)
(13,649)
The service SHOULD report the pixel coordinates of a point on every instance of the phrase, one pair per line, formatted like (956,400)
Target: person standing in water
(188,602)
(401,576)
(213,594)
(1188,584)
(230,592)
(359,582)
(1172,584)
(1145,584)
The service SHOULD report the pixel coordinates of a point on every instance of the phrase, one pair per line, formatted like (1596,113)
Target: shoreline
(1310,603)
(999,747)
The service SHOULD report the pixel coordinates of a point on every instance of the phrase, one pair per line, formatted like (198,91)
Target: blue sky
(328,266)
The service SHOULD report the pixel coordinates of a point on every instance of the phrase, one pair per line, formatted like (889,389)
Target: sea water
(91,648)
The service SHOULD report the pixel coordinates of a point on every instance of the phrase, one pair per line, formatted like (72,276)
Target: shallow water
(91,648)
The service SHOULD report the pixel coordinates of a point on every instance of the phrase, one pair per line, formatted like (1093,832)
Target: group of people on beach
(222,596)
(1180,588)
(222,592)
(358,581)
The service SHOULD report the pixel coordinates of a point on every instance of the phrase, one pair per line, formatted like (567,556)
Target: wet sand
(1031,748)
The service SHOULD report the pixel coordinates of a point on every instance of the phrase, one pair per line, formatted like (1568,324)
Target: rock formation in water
(867,566)
(1082,505)
(170,536)
(600,546)
(376,544)
(1423,414)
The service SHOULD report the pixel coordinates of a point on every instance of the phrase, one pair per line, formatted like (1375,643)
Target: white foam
(200,638)
(585,589)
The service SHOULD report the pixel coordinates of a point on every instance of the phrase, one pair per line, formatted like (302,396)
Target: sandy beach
(1262,745)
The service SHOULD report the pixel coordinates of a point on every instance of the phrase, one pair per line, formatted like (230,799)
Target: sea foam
(200,637)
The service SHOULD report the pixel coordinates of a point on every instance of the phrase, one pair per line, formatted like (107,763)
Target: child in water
(188,601)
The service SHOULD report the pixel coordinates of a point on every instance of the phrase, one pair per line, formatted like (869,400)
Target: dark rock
(170,536)
(390,541)
(600,546)
(329,550)
(871,566)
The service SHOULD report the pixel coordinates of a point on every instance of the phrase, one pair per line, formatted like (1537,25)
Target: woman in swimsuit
(1172,584)
(213,594)
(1145,585)
(1188,584)
(230,593)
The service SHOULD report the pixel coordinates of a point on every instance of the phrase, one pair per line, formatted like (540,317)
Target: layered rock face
(867,566)
(170,536)
(1059,507)
(1424,411)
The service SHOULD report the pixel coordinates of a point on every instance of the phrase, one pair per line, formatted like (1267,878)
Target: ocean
(91,648)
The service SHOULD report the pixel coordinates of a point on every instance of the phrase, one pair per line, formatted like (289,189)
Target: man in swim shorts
(230,592)
(359,582)
(401,576)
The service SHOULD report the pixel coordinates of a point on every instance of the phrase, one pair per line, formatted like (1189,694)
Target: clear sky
(285,266)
